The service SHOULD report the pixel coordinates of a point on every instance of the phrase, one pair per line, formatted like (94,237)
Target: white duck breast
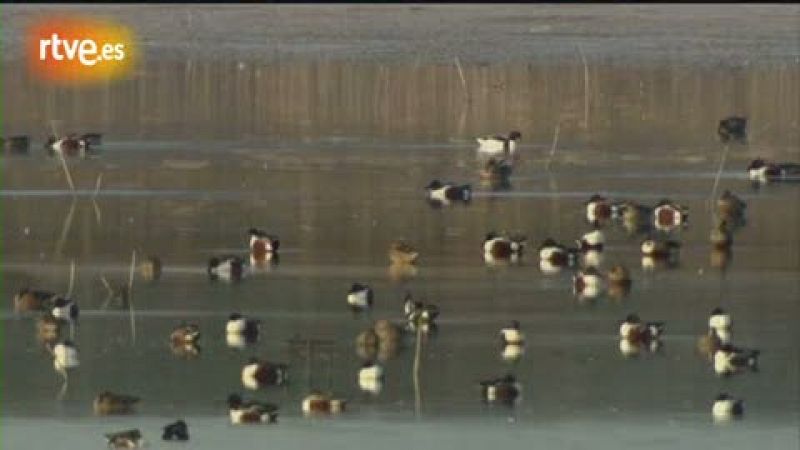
(759,174)
(63,312)
(719,321)
(439,194)
(249,376)
(591,211)
(547,253)
(627,329)
(65,357)
(593,258)
(512,352)
(628,348)
(594,238)
(359,298)
(225,270)
(722,363)
(236,326)
(548,268)
(724,409)
(512,336)
(495,146)
(235,340)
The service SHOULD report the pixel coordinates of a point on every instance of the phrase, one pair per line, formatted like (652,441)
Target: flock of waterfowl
(383,337)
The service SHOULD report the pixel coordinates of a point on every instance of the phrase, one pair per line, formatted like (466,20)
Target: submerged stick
(717,177)
(66,172)
(463,79)
(65,228)
(130,296)
(585,88)
(417,353)
(553,147)
(71,278)
(97,214)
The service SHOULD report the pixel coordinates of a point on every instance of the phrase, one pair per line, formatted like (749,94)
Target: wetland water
(332,156)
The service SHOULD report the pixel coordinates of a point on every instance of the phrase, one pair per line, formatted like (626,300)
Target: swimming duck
(719,319)
(588,283)
(319,403)
(598,209)
(501,390)
(732,128)
(238,324)
(257,374)
(125,439)
(360,297)
(762,171)
(729,360)
(721,238)
(185,334)
(512,335)
(498,144)
(150,268)
(401,252)
(502,248)
(262,245)
(554,256)
(726,408)
(65,309)
(419,313)
(68,146)
(33,300)
(592,241)
(660,249)
(619,281)
(635,218)
(496,169)
(668,215)
(226,268)
(241,412)
(107,403)
(370,377)
(65,356)
(16,145)
(730,206)
(176,431)
(633,330)
(445,193)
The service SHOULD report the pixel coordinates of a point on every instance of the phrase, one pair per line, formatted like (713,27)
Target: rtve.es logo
(80,50)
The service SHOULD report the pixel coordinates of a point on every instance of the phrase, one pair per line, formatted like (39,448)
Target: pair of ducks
(239,332)
(263,249)
(727,359)
(590,283)
(243,412)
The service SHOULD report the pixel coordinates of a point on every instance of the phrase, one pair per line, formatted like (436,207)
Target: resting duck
(635,218)
(592,241)
(588,283)
(226,268)
(34,300)
(419,313)
(241,412)
(633,330)
(176,431)
(729,360)
(502,248)
(512,335)
(125,439)
(150,268)
(240,330)
(16,145)
(732,128)
(619,281)
(65,309)
(501,390)
(68,146)
(319,403)
(668,215)
(730,206)
(360,297)
(370,377)
(262,245)
(660,249)
(498,144)
(185,334)
(554,256)
(446,193)
(108,403)
(726,408)
(65,356)
(401,252)
(598,209)
(762,171)
(257,374)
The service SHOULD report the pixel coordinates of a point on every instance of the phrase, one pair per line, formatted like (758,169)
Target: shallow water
(334,161)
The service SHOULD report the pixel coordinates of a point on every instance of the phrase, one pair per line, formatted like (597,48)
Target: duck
(108,403)
(370,377)
(16,145)
(33,300)
(512,352)
(240,325)
(419,313)
(512,335)
(660,249)
(634,217)
(226,268)
(498,144)
(185,350)
(721,237)
(126,439)
(730,206)
(668,215)
(554,256)
(619,281)
(729,360)
(65,309)
(588,283)
(176,431)
(262,244)
(633,330)
(496,169)
(150,268)
(502,248)
(70,145)
(763,171)
(65,356)
(185,333)
(319,403)
(360,297)
(719,319)
(48,328)
(592,241)
(726,408)
(732,128)
(251,412)
(401,252)
(598,209)
(381,341)
(446,193)
(501,390)
(257,374)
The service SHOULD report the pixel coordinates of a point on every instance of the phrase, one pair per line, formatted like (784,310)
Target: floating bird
(238,324)
(68,146)
(401,252)
(762,171)
(418,313)
(446,193)
(635,218)
(150,268)
(48,328)
(185,334)
(226,268)
(319,403)
(554,256)
(729,360)
(732,128)
(498,144)
(668,215)
(108,403)
(730,206)
(241,412)
(619,281)
(588,283)
(634,330)
(125,439)
(660,249)
(502,248)
(16,145)
(262,245)
(598,209)
(65,357)
(726,408)
(257,374)
(719,319)
(496,169)
(592,241)
(512,335)
(501,390)
(360,297)
(65,309)
(34,300)
(370,377)
(176,431)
